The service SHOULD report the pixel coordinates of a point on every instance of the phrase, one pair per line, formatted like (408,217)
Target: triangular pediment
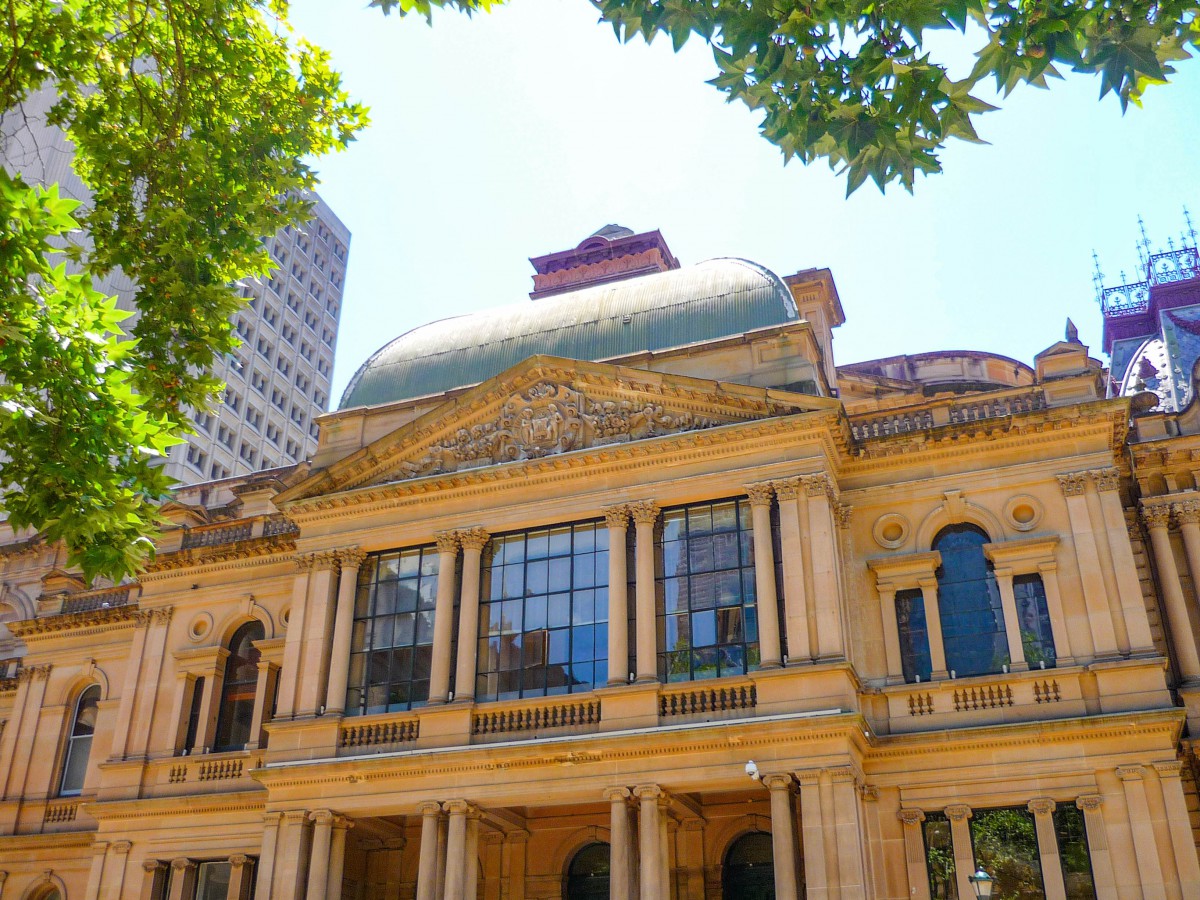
(547,406)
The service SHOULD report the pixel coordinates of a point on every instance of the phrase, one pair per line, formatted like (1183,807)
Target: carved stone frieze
(550,418)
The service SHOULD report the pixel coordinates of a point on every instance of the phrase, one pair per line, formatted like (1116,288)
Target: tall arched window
(749,870)
(79,742)
(239,688)
(587,876)
(969,603)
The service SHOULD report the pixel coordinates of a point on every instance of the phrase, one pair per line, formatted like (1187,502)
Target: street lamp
(983,884)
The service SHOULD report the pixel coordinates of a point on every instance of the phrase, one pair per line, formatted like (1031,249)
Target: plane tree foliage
(191,121)
(855,83)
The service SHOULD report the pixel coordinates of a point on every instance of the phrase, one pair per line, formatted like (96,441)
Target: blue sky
(519,133)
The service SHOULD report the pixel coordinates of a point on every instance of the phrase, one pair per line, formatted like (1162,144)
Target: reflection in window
(969,604)
(79,742)
(588,874)
(193,721)
(212,880)
(939,857)
(705,591)
(543,615)
(392,639)
(1034,617)
(914,635)
(1073,852)
(238,689)
(1006,848)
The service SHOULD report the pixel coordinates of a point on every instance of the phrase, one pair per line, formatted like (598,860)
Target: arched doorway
(749,870)
(587,876)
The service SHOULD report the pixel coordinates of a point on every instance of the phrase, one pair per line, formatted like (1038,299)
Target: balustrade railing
(216,535)
(566,714)
(704,699)
(363,736)
(984,408)
(279,524)
(93,600)
(974,409)
(900,423)
(986,696)
(59,812)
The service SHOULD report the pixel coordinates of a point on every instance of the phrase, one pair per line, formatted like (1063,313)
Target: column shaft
(767,599)
(1097,838)
(914,854)
(816,875)
(650,841)
(620,864)
(456,851)
(783,844)
(1144,845)
(645,515)
(1129,589)
(443,619)
(266,858)
(1052,876)
(891,634)
(268,673)
(1095,594)
(1189,528)
(1187,866)
(1058,620)
(795,596)
(933,628)
(337,858)
(473,541)
(852,875)
(1182,636)
(318,861)
(964,855)
(285,706)
(129,690)
(1012,624)
(618,596)
(427,863)
(825,561)
(343,625)
(314,652)
(142,724)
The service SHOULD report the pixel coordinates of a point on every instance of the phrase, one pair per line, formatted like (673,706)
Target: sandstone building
(628,590)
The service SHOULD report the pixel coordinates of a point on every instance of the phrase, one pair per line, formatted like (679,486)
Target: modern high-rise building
(278,381)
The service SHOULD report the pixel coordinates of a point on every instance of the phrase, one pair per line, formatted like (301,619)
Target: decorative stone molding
(351,557)
(153,865)
(428,808)
(1106,479)
(818,484)
(475,538)
(844,773)
(958,813)
(34,673)
(648,792)
(1187,512)
(1170,769)
(1089,802)
(461,807)
(447,541)
(842,512)
(890,531)
(1023,512)
(238,860)
(644,512)
(911,816)
(869,792)
(760,494)
(808,776)
(80,622)
(616,793)
(321,816)
(1131,773)
(616,516)
(181,864)
(304,562)
(120,847)
(1156,515)
(786,488)
(1073,484)
(777,782)
(1042,806)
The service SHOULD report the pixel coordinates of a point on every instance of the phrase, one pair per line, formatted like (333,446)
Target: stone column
(795,595)
(266,858)
(825,560)
(318,620)
(1157,519)
(783,844)
(96,873)
(1058,621)
(471,860)
(31,691)
(1012,623)
(1129,589)
(427,864)
(1186,864)
(914,853)
(210,701)
(318,860)
(456,850)
(239,877)
(617,520)
(852,876)
(114,869)
(933,629)
(1144,845)
(439,881)
(1187,514)
(650,841)
(337,856)
(343,624)
(268,674)
(1052,876)
(443,618)
(1095,594)
(142,724)
(645,516)
(690,838)
(129,690)
(517,843)
(285,705)
(620,862)
(154,877)
(666,870)
(812,826)
(183,879)
(891,632)
(472,540)
(964,855)
(1097,838)
(767,600)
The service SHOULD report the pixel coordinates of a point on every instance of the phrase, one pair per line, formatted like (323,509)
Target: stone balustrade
(707,700)
(377,734)
(572,714)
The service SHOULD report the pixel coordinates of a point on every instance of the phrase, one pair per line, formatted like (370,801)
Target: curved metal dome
(715,299)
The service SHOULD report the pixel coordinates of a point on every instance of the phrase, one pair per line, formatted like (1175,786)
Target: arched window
(969,603)
(749,870)
(79,742)
(239,688)
(587,876)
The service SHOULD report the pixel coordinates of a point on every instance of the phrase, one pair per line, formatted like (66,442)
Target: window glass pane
(914,636)
(393,618)
(212,880)
(969,604)
(238,689)
(1006,847)
(548,615)
(1034,617)
(939,857)
(1073,852)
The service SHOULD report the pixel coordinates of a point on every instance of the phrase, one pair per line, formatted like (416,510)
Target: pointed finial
(1191,231)
(1098,278)
(1144,245)
(1072,332)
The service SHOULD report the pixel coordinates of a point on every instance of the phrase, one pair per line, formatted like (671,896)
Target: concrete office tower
(279,379)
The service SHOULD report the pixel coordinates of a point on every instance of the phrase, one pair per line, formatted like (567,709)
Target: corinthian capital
(644,512)
(447,541)
(1157,515)
(787,488)
(352,557)
(616,516)
(1106,479)
(1187,512)
(473,538)
(760,494)
(1073,484)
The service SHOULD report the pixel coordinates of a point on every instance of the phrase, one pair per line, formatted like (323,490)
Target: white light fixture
(983,884)
(752,769)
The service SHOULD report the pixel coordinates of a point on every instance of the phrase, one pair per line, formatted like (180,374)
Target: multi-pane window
(238,689)
(1073,852)
(392,639)
(543,616)
(1006,847)
(969,604)
(939,857)
(914,635)
(1034,618)
(706,592)
(79,742)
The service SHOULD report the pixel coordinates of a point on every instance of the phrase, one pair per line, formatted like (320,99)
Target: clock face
(1150,370)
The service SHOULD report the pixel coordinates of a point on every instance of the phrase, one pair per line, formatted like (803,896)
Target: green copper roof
(715,299)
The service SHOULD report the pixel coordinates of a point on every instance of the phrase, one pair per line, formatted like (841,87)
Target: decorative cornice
(644,512)
(80,621)
(254,548)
